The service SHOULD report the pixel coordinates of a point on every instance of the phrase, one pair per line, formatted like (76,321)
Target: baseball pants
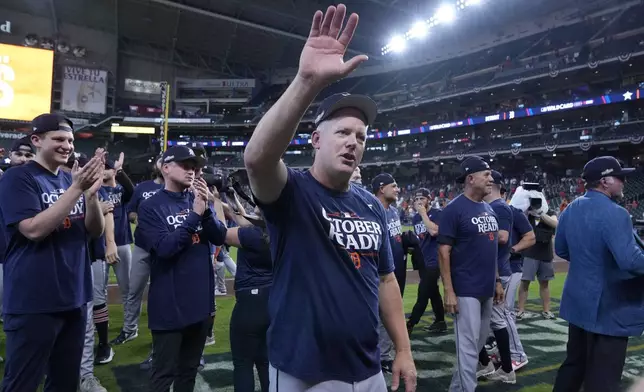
(44,343)
(282,382)
(502,318)
(513,287)
(224,261)
(471,327)
(122,272)
(385,343)
(139,276)
(99,269)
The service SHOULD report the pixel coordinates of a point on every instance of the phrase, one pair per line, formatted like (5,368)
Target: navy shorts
(44,343)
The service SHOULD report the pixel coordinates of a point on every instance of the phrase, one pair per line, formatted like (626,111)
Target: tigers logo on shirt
(486,224)
(360,237)
(177,220)
(78,212)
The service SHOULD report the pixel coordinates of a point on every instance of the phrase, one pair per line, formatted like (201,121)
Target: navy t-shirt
(254,265)
(329,249)
(428,244)
(395,237)
(182,282)
(505,220)
(122,228)
(51,275)
(472,230)
(97,245)
(142,192)
(520,227)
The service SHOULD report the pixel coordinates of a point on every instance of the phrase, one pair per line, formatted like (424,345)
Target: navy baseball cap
(600,167)
(423,192)
(472,165)
(23,143)
(51,122)
(198,148)
(109,163)
(497,177)
(381,180)
(335,102)
(182,154)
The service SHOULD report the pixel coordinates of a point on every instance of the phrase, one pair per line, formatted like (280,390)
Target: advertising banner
(84,90)
(25,82)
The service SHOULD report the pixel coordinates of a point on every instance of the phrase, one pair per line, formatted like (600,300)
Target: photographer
(537,260)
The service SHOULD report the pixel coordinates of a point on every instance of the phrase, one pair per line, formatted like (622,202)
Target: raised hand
(322,59)
(118,165)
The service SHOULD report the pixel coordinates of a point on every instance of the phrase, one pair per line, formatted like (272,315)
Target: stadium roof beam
(246,23)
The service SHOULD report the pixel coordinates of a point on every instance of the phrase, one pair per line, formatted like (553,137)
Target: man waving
(325,305)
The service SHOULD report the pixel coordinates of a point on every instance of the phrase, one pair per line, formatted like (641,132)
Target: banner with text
(216,84)
(142,86)
(84,90)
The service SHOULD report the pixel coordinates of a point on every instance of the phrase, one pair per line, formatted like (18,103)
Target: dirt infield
(114,296)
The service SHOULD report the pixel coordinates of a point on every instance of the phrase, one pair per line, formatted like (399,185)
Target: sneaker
(520,315)
(490,345)
(210,340)
(548,315)
(500,375)
(202,364)
(495,357)
(516,365)
(437,327)
(124,337)
(482,371)
(147,364)
(91,384)
(104,354)
(387,366)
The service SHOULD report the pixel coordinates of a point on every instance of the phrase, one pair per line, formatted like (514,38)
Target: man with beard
(52,219)
(333,263)
(426,228)
(602,299)
(468,246)
(386,190)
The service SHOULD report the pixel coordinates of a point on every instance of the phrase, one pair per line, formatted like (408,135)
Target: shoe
(210,340)
(500,375)
(516,365)
(124,337)
(495,357)
(548,315)
(482,371)
(202,364)
(520,315)
(104,354)
(387,366)
(91,384)
(147,364)
(437,327)
(490,345)
(218,292)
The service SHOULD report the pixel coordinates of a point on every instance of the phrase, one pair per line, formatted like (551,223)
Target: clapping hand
(322,59)
(201,196)
(89,178)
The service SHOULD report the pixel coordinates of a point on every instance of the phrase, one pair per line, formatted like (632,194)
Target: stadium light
(445,14)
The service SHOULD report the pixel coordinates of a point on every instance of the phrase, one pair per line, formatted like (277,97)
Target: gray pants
(471,327)
(513,287)
(502,318)
(385,343)
(122,272)
(224,261)
(98,278)
(288,383)
(139,276)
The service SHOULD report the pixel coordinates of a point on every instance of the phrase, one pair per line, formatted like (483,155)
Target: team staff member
(467,255)
(386,190)
(324,307)
(501,321)
(602,298)
(250,319)
(537,262)
(120,189)
(52,219)
(178,229)
(426,228)
(21,152)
